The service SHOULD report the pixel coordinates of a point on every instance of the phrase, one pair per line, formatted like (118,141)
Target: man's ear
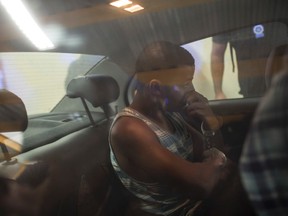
(155,87)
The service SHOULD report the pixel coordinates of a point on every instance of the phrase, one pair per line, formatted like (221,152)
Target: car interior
(66,144)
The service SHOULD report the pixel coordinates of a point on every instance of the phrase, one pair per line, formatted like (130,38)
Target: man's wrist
(216,155)
(212,123)
(206,132)
(208,137)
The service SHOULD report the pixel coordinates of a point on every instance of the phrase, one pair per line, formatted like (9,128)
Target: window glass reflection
(232,65)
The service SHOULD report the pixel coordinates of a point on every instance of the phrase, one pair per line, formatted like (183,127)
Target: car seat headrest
(276,62)
(13,114)
(97,89)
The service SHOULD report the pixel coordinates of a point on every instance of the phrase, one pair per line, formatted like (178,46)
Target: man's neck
(148,109)
(152,111)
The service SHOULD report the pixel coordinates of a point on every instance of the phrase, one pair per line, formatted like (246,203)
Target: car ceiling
(95,27)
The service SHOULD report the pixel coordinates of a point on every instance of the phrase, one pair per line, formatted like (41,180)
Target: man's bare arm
(137,148)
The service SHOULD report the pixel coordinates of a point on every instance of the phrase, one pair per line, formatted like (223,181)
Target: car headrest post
(88,112)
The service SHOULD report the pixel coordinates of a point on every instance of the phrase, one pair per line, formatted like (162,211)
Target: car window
(26,73)
(244,59)
(40,79)
(244,53)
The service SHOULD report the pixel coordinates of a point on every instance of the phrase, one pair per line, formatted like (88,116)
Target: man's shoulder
(128,125)
(127,122)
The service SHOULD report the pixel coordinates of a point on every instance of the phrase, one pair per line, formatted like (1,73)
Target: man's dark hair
(163,55)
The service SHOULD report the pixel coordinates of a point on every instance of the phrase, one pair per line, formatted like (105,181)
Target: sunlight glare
(27,24)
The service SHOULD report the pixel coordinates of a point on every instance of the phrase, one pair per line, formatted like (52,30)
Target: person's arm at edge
(253,167)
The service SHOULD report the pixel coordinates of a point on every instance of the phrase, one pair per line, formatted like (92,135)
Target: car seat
(100,90)
(275,63)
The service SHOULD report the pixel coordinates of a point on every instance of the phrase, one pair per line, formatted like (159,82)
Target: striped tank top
(157,198)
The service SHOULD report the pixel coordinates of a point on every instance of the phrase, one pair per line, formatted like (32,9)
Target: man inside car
(170,165)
